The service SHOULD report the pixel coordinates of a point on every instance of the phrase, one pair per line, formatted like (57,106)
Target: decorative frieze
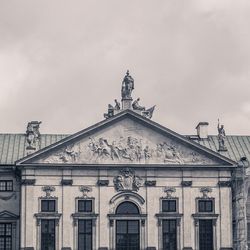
(28,182)
(103,183)
(186,183)
(150,183)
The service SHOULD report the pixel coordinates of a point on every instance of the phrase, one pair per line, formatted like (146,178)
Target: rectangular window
(5,236)
(48,236)
(85,206)
(169,237)
(206,235)
(48,205)
(84,234)
(168,205)
(6,186)
(205,206)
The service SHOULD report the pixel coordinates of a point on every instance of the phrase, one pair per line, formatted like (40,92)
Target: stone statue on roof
(221,137)
(32,134)
(137,106)
(127,86)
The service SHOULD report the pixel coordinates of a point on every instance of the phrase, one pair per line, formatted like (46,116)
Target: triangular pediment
(126,138)
(8,215)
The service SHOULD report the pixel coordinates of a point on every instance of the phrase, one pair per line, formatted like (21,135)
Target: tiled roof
(237,146)
(13,146)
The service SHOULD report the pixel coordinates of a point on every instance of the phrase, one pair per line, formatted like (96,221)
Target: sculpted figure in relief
(127,180)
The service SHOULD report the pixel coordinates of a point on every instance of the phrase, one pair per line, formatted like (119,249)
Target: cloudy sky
(62,62)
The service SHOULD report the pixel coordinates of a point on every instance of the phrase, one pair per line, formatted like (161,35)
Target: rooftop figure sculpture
(221,137)
(127,86)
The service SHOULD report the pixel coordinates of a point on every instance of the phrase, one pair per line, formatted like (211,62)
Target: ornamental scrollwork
(127,181)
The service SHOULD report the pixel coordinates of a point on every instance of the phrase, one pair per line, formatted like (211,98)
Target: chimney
(202,130)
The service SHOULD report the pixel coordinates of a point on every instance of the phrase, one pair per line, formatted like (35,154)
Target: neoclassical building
(125,183)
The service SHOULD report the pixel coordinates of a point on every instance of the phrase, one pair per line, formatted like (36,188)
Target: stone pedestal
(127,103)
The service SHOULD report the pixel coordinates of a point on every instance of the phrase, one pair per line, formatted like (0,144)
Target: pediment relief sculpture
(128,149)
(127,181)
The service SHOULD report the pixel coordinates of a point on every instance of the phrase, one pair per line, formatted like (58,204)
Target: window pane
(121,227)
(205,206)
(2,230)
(88,206)
(8,229)
(88,227)
(2,185)
(52,206)
(9,185)
(85,206)
(127,208)
(169,206)
(133,227)
(48,205)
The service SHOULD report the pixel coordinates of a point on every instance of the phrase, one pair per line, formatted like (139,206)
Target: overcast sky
(62,62)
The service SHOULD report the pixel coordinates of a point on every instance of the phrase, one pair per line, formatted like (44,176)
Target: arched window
(127,208)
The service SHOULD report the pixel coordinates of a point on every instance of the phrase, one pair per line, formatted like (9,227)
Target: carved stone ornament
(85,190)
(48,190)
(169,191)
(127,181)
(205,191)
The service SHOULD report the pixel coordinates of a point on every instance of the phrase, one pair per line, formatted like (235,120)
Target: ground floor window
(84,234)
(48,236)
(5,236)
(169,234)
(205,235)
(127,235)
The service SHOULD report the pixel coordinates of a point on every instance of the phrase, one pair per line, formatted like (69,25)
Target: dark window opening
(85,206)
(48,235)
(6,186)
(206,235)
(84,234)
(127,208)
(127,235)
(169,231)
(205,206)
(5,236)
(168,205)
(48,205)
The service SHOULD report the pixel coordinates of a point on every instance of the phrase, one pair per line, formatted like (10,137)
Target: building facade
(125,183)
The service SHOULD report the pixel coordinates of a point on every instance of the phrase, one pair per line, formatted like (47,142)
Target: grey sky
(62,62)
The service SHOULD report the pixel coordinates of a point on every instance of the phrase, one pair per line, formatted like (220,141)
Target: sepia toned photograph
(125,125)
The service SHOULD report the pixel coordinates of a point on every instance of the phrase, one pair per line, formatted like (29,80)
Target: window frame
(48,205)
(169,199)
(205,199)
(6,186)
(5,236)
(85,201)
(48,199)
(77,199)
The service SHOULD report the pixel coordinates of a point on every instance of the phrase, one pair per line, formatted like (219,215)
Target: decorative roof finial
(127,86)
